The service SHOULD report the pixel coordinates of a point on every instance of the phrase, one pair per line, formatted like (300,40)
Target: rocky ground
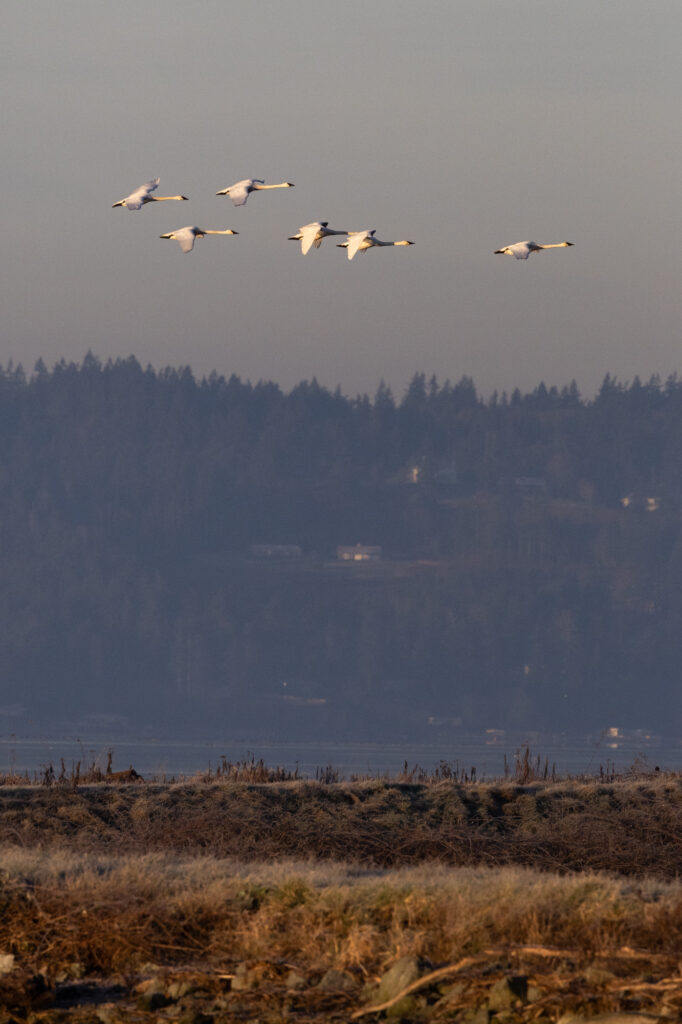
(495,987)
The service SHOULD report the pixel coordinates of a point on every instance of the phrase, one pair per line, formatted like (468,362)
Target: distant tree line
(530,573)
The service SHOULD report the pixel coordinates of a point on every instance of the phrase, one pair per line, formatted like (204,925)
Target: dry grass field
(630,826)
(213,900)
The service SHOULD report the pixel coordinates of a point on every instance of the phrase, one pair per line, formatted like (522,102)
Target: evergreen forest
(169,556)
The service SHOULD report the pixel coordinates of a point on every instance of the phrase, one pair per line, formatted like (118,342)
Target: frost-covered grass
(115,912)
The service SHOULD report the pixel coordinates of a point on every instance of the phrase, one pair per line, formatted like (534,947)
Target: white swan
(360,241)
(186,236)
(312,234)
(239,192)
(137,199)
(522,250)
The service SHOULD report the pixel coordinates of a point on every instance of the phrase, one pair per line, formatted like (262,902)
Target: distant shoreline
(172,758)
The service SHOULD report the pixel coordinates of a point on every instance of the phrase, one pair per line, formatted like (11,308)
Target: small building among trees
(358,553)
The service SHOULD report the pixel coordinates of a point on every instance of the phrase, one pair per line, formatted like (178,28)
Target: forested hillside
(530,555)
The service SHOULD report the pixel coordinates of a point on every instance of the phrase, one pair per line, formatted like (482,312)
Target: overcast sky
(463,125)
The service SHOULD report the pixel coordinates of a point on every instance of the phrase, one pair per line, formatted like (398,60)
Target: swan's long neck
(282,184)
(228,231)
(163,199)
(555,245)
(377,241)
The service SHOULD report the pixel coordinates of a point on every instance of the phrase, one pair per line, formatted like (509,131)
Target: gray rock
(402,974)
(335,981)
(533,994)
(177,989)
(507,992)
(476,1015)
(595,975)
(243,979)
(295,981)
(407,1008)
(6,963)
(151,985)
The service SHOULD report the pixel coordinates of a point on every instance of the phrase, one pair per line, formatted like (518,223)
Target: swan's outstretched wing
(522,250)
(184,236)
(239,192)
(309,237)
(355,240)
(136,199)
(186,239)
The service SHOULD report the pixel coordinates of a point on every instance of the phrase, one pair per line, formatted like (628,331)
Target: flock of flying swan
(309,235)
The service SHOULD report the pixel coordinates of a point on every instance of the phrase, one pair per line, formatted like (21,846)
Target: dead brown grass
(116,913)
(630,827)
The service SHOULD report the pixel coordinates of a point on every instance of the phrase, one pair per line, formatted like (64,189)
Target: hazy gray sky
(463,125)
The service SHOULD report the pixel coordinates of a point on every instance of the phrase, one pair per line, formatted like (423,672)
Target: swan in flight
(312,234)
(239,192)
(360,241)
(522,250)
(186,236)
(141,195)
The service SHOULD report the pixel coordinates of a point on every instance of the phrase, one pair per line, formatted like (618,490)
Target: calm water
(487,754)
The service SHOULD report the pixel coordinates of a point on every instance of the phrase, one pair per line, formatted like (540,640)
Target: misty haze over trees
(531,556)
